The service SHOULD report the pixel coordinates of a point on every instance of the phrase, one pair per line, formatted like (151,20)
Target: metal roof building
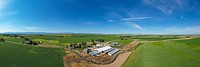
(94,53)
(111,49)
(113,52)
(103,48)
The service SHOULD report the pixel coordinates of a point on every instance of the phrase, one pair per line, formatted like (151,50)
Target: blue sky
(101,16)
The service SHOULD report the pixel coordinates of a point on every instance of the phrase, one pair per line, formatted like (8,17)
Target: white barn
(103,48)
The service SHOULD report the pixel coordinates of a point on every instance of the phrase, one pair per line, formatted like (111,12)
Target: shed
(113,52)
(94,53)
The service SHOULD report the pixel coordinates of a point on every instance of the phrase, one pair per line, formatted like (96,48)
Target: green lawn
(16,55)
(165,54)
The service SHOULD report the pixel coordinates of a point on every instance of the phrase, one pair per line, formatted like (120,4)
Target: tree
(84,44)
(79,46)
(75,45)
(102,40)
(161,36)
(35,43)
(31,42)
(92,40)
(71,45)
(66,46)
(2,40)
(93,43)
(26,39)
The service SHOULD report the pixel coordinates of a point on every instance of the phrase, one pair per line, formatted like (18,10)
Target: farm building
(114,43)
(94,53)
(113,52)
(85,50)
(102,49)
(111,49)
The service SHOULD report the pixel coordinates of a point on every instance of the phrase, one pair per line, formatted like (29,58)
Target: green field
(16,55)
(58,39)
(181,53)
(154,38)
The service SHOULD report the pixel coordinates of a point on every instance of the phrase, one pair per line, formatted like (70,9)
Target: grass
(165,54)
(192,42)
(18,40)
(16,55)
(154,38)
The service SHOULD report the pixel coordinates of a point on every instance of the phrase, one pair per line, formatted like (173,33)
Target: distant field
(191,42)
(155,38)
(16,55)
(124,41)
(166,54)
(57,39)
(86,38)
(66,39)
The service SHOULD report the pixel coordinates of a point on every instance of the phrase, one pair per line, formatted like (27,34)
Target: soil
(73,60)
(117,63)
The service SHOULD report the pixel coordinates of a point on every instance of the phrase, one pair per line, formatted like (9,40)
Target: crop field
(61,40)
(16,55)
(124,41)
(86,38)
(181,53)
(154,38)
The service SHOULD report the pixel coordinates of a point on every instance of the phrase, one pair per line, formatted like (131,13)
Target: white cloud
(134,25)
(193,6)
(166,6)
(135,18)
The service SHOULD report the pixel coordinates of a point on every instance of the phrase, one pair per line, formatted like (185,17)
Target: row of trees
(2,40)
(98,40)
(30,42)
(84,44)
(124,38)
(76,45)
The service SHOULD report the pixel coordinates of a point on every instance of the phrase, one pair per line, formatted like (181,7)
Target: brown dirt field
(117,63)
(121,58)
